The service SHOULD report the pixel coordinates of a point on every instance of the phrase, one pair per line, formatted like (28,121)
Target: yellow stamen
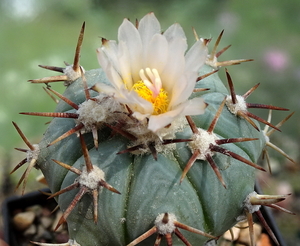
(160,102)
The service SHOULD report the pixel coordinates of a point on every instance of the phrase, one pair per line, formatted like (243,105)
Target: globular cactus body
(149,187)
(191,180)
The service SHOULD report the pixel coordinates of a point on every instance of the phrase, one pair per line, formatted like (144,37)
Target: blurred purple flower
(276,60)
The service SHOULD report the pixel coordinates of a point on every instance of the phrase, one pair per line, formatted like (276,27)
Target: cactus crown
(150,127)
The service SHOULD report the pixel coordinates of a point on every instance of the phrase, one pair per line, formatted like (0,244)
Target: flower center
(150,88)
(160,102)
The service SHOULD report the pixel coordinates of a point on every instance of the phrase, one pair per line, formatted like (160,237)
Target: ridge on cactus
(148,126)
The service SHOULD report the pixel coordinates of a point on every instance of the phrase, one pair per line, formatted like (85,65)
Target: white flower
(151,72)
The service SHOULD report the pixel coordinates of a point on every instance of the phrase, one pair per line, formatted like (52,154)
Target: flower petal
(174,31)
(175,66)
(108,53)
(140,116)
(134,101)
(124,61)
(157,53)
(194,59)
(113,76)
(148,27)
(194,106)
(157,122)
(131,37)
(196,56)
(182,93)
(103,88)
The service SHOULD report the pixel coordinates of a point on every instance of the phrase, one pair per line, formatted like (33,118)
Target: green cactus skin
(150,187)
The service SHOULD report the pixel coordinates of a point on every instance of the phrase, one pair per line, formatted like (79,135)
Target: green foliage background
(45,32)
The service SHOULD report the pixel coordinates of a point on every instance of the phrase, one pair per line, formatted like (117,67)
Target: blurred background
(37,32)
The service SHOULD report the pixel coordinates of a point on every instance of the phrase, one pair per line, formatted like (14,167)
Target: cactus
(151,148)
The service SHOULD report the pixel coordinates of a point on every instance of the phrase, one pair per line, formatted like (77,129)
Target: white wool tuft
(33,154)
(165,228)
(71,74)
(91,179)
(97,111)
(201,142)
(239,106)
(247,204)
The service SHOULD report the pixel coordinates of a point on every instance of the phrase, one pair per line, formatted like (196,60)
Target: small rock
(30,231)
(264,240)
(61,237)
(37,209)
(56,220)
(46,222)
(43,235)
(40,231)
(23,220)
(235,231)
(48,236)
(46,212)
(244,237)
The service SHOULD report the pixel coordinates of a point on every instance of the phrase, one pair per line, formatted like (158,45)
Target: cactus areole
(146,149)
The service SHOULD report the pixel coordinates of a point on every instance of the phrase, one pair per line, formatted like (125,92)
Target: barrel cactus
(151,148)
